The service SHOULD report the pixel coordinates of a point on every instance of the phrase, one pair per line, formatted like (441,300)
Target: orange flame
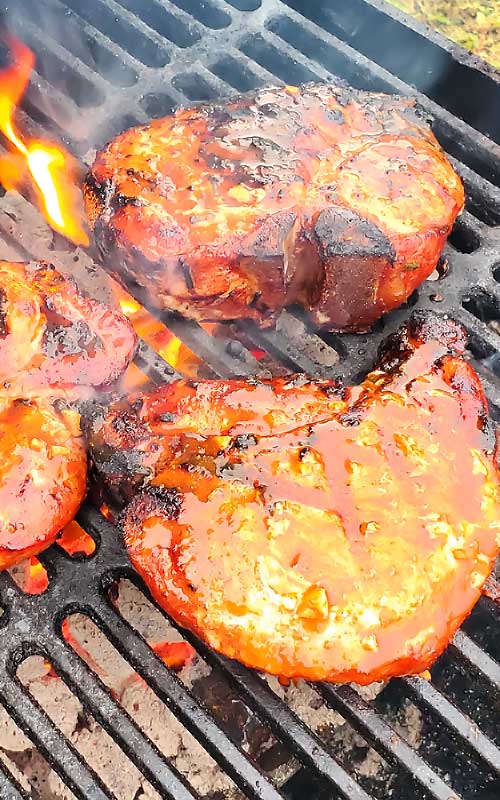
(158,336)
(51,168)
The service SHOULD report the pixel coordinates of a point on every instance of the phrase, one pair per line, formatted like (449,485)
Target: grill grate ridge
(385,739)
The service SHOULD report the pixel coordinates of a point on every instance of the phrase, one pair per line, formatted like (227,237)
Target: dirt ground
(475,24)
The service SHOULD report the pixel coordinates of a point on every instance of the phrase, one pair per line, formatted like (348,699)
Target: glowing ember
(51,168)
(134,379)
(175,655)
(36,578)
(107,513)
(258,354)
(75,540)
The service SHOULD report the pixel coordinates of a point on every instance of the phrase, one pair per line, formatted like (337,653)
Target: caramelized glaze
(56,346)
(52,337)
(309,531)
(43,475)
(334,198)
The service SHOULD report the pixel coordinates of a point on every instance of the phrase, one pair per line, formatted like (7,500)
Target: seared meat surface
(53,338)
(311,531)
(336,199)
(43,475)
(56,346)
(158,436)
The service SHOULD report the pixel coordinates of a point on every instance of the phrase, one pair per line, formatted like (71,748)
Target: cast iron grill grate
(106,64)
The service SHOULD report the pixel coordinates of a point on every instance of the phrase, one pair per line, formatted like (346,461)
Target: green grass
(475,24)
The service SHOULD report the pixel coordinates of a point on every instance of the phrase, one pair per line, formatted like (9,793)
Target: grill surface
(106,64)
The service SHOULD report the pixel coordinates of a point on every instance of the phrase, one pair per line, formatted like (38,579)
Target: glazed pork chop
(337,199)
(56,346)
(43,475)
(54,339)
(308,530)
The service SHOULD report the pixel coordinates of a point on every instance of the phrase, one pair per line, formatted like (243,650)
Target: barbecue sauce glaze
(311,531)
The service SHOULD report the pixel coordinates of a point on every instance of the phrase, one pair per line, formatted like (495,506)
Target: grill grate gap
(82,44)
(122,32)
(18,757)
(465,237)
(285,68)
(183,33)
(470,692)
(65,78)
(484,305)
(365,27)
(208,13)
(323,54)
(236,74)
(245,5)
(153,717)
(78,726)
(194,87)
(157,105)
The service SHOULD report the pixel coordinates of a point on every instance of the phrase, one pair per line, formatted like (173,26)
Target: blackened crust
(154,501)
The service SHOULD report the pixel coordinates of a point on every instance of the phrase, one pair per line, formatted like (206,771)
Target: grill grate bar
(457,136)
(317,71)
(428,698)
(283,722)
(199,54)
(384,738)
(169,689)
(478,329)
(93,33)
(292,344)
(139,10)
(471,223)
(476,659)
(9,789)
(51,743)
(258,74)
(452,131)
(214,351)
(115,720)
(121,11)
(365,23)
(69,59)
(153,364)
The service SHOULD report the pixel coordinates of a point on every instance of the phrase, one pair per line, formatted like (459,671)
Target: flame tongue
(50,167)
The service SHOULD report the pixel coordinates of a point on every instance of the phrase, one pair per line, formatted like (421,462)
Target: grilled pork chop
(52,337)
(55,344)
(43,475)
(333,198)
(311,531)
